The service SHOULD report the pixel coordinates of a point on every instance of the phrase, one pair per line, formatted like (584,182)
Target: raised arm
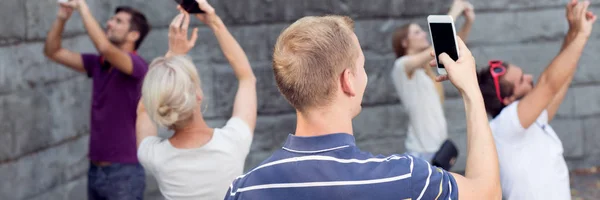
(245,102)
(469,14)
(420,60)
(482,174)
(416,61)
(571,35)
(554,81)
(144,126)
(53,49)
(113,54)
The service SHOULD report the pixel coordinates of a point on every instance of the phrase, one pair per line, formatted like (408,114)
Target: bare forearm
(482,159)
(558,99)
(94,30)
(455,14)
(568,39)
(417,61)
(465,30)
(232,50)
(53,40)
(564,65)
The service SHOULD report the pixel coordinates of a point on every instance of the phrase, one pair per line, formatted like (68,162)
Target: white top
(532,165)
(201,173)
(427,128)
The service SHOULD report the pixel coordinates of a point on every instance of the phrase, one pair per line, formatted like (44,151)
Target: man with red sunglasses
(530,153)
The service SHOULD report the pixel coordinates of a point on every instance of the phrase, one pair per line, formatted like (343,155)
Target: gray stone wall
(44,108)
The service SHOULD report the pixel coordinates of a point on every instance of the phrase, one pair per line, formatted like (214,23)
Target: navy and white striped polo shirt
(332,167)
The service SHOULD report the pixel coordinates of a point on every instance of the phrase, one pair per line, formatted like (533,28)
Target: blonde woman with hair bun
(197,162)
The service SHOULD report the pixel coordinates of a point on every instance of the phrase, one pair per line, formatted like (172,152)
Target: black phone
(446,156)
(190,6)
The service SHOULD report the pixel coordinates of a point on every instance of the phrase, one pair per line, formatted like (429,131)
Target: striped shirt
(332,167)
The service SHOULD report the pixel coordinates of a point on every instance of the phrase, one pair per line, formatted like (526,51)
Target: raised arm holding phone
(198,161)
(416,87)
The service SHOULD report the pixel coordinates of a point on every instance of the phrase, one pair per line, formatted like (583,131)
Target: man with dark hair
(532,165)
(117,73)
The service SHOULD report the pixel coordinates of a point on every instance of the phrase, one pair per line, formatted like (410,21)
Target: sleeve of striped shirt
(228,196)
(429,182)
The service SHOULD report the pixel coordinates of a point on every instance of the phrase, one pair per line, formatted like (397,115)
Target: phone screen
(190,6)
(443,40)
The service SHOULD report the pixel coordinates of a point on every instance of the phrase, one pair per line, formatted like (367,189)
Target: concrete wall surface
(44,107)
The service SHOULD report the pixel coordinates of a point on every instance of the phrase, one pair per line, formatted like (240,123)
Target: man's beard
(521,97)
(115,41)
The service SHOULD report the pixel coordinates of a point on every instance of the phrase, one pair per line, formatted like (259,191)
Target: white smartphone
(443,38)
(63,1)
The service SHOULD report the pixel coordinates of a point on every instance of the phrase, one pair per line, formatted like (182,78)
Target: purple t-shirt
(115,97)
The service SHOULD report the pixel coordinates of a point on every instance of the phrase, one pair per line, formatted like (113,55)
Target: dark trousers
(116,182)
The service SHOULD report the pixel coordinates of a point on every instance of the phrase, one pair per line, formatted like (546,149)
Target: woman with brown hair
(415,83)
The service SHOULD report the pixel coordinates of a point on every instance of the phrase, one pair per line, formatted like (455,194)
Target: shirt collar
(318,144)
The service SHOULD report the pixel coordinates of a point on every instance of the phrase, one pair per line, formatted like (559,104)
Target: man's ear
(133,36)
(508,100)
(347,81)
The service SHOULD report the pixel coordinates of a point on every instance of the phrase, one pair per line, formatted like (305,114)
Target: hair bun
(167,115)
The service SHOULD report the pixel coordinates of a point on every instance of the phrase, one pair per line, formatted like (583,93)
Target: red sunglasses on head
(497,69)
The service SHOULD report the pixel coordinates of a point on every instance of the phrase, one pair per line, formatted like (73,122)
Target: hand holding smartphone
(443,38)
(190,6)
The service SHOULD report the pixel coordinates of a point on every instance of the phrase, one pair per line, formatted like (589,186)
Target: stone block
(24,66)
(73,190)
(156,44)
(587,71)
(425,7)
(591,129)
(159,13)
(380,88)
(269,136)
(592,160)
(251,38)
(255,158)
(511,5)
(7,149)
(270,101)
(383,145)
(456,122)
(42,13)
(46,115)
(271,132)
(253,12)
(152,190)
(515,27)
(46,170)
(237,12)
(571,134)
(586,100)
(14,18)
(375,36)
(388,121)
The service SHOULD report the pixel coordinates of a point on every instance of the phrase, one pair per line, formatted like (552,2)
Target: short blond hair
(310,55)
(169,91)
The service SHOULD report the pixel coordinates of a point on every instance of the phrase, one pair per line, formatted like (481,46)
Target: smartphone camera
(190,6)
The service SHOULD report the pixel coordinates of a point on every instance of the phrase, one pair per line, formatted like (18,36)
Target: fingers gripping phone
(190,6)
(443,38)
